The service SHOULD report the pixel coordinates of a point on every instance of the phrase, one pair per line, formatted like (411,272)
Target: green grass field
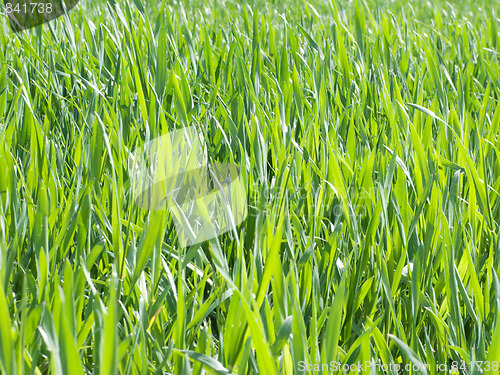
(366,133)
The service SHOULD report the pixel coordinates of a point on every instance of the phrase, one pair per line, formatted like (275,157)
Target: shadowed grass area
(366,135)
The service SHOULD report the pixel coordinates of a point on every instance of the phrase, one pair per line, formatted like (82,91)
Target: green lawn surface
(367,137)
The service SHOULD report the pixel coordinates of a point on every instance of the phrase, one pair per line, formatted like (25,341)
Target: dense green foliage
(367,136)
